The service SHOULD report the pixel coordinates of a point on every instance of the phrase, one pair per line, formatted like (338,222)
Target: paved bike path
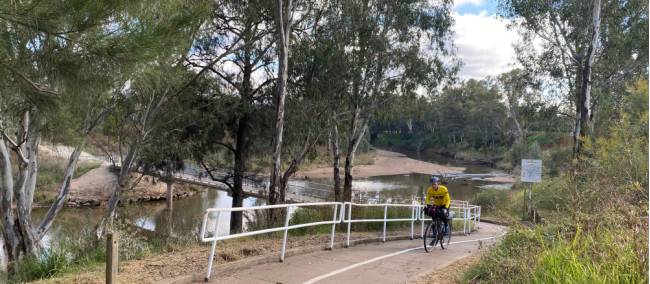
(390,262)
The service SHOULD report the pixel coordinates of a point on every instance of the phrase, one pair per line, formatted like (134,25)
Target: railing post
(475,217)
(464,220)
(336,207)
(385,215)
(112,255)
(286,230)
(421,220)
(412,219)
(214,246)
(479,217)
(347,242)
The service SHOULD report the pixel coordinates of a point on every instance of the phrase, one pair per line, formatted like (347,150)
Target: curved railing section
(342,213)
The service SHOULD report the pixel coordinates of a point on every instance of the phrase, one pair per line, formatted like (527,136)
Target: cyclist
(438,200)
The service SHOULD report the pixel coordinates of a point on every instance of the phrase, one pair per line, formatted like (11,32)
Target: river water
(153,220)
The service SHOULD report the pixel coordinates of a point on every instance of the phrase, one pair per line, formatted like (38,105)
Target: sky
(483,42)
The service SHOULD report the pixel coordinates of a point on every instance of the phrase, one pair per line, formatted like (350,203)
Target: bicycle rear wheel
(430,237)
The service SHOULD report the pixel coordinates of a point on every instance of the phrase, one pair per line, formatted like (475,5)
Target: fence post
(336,207)
(385,215)
(112,255)
(286,230)
(214,246)
(347,242)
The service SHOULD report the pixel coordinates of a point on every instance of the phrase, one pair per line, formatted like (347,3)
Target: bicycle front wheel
(430,237)
(447,238)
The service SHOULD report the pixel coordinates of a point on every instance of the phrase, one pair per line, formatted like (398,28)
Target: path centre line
(344,269)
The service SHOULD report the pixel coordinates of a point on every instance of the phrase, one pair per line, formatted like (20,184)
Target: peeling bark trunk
(336,157)
(284,29)
(24,225)
(353,144)
(585,124)
(32,175)
(7,190)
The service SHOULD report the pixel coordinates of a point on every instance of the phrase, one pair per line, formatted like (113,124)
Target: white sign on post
(531,170)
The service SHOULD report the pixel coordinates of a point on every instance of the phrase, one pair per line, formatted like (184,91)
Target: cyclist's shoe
(432,243)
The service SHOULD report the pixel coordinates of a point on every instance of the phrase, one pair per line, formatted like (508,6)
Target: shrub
(491,199)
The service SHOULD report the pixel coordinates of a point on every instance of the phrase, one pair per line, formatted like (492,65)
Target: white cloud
(484,44)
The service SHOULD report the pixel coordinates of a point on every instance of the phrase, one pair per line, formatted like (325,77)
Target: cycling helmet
(434,179)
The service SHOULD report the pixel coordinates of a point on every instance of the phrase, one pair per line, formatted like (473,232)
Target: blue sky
(476,6)
(483,42)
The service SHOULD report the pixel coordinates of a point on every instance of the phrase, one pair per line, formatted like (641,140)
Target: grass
(68,256)
(542,256)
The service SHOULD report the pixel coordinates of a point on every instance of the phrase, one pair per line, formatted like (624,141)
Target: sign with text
(531,170)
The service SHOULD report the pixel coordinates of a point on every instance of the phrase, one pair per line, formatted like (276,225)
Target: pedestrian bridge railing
(342,213)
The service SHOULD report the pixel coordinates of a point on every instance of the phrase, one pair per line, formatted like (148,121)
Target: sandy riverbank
(95,187)
(385,163)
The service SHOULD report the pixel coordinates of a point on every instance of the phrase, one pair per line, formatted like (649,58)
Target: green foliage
(491,199)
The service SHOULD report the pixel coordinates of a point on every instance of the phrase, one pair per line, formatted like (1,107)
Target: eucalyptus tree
(309,88)
(391,48)
(64,65)
(585,45)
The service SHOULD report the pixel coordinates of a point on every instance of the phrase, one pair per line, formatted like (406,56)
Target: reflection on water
(413,186)
(183,221)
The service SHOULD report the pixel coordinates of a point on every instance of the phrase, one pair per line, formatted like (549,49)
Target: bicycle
(434,234)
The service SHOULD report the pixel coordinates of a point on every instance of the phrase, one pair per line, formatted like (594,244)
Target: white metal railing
(215,235)
(342,213)
(349,205)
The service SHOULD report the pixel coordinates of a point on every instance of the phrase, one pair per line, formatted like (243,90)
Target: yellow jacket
(440,196)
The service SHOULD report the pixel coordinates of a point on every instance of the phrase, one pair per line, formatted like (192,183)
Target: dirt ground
(385,163)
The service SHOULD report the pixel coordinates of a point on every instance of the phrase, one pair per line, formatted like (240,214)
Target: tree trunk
(336,157)
(236,220)
(114,200)
(170,195)
(295,163)
(28,241)
(33,143)
(56,207)
(9,234)
(284,30)
(241,151)
(585,125)
(353,144)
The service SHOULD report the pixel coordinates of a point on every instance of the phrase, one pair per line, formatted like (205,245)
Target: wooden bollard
(112,255)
